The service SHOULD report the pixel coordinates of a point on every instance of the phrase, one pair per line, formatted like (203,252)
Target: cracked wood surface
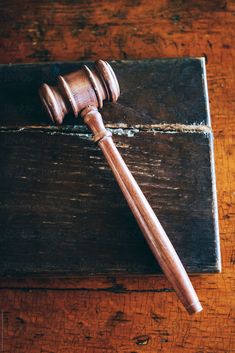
(67,213)
(128,314)
(63,207)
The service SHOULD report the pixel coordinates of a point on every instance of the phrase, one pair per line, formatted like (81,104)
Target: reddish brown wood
(128,314)
(82,92)
(80,89)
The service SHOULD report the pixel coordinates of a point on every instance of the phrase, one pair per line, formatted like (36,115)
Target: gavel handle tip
(194,308)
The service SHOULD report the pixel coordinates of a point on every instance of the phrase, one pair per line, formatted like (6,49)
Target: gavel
(83,92)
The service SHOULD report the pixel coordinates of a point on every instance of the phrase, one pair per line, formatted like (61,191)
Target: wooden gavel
(82,92)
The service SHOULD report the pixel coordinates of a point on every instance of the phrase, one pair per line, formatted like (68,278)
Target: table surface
(128,314)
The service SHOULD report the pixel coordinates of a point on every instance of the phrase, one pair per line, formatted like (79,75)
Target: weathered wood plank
(165,97)
(152,92)
(62,212)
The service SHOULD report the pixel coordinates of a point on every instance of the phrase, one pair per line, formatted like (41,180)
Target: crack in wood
(116,129)
(118,289)
(141,340)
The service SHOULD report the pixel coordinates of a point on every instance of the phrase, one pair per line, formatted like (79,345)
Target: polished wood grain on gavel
(83,92)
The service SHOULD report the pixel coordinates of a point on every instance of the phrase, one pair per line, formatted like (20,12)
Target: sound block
(61,211)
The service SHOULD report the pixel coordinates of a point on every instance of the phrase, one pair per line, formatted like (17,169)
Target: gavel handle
(154,233)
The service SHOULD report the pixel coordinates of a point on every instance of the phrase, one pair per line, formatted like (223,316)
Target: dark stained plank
(62,212)
(57,201)
(152,92)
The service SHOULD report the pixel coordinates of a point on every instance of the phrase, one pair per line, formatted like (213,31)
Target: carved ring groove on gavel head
(80,89)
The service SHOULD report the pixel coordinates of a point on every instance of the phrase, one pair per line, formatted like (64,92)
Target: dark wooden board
(61,210)
(156,91)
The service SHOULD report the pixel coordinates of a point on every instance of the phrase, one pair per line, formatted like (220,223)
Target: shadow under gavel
(83,92)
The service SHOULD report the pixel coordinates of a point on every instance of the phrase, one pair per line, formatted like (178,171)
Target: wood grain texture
(136,314)
(174,92)
(71,215)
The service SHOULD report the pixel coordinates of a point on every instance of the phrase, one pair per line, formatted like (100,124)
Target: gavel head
(80,89)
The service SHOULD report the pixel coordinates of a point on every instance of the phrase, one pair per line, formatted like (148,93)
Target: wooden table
(128,314)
